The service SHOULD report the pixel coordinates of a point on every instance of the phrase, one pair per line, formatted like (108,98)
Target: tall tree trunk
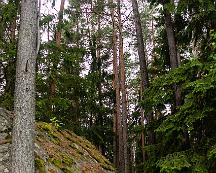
(144,75)
(174,62)
(172,51)
(117,118)
(99,85)
(24,106)
(140,45)
(142,62)
(123,92)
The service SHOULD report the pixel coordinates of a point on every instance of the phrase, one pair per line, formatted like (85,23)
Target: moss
(47,127)
(86,145)
(64,149)
(68,138)
(68,160)
(73,146)
(42,170)
(54,135)
(80,152)
(54,138)
(107,167)
(57,163)
(39,163)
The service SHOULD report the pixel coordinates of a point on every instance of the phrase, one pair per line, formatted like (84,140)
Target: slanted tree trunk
(124,155)
(143,74)
(142,62)
(24,106)
(140,46)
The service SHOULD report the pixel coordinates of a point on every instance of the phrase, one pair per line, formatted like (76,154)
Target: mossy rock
(65,152)
(56,151)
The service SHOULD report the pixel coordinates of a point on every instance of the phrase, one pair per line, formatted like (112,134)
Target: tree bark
(24,106)
(123,92)
(142,62)
(60,18)
(143,75)
(171,39)
(140,46)
(172,51)
(117,119)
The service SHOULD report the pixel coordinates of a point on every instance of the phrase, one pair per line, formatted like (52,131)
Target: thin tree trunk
(13,30)
(123,91)
(24,106)
(58,44)
(99,85)
(117,119)
(48,31)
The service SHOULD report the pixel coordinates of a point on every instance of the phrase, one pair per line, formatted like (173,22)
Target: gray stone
(5,128)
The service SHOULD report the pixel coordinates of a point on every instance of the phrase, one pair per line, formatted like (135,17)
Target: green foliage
(199,164)
(173,163)
(56,122)
(212,153)
(185,139)
(8,50)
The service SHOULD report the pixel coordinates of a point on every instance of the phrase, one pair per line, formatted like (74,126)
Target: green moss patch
(66,151)
(39,163)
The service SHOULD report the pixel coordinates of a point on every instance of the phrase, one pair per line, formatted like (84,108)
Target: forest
(137,78)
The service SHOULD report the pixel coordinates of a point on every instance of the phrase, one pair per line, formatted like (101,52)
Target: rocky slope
(56,151)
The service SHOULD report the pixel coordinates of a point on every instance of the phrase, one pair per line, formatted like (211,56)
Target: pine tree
(24,106)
